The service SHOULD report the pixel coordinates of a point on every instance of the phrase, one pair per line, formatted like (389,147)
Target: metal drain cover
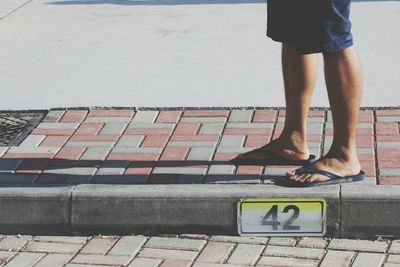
(15,126)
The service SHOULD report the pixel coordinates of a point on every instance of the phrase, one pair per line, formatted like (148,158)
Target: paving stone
(25,259)
(113,128)
(207,264)
(128,246)
(240,116)
(99,245)
(32,140)
(393,259)
(391,265)
(232,149)
(107,119)
(388,144)
(245,254)
(9,165)
(90,143)
(168,254)
(240,239)
(216,252)
(211,128)
(6,256)
(389,171)
(138,150)
(119,179)
(312,242)
(35,150)
(96,153)
(395,247)
(62,239)
(143,262)
(388,119)
(73,170)
(206,113)
(201,153)
(221,169)
(175,263)
(201,144)
(282,241)
(180,170)
(203,119)
(358,245)
(232,141)
(334,258)
(53,116)
(145,116)
(169,116)
(3,150)
(12,243)
(175,243)
(286,262)
(51,247)
(369,259)
(232,179)
(111,113)
(113,167)
(130,141)
(296,252)
(259,125)
(278,171)
(54,260)
(101,259)
(149,125)
(59,125)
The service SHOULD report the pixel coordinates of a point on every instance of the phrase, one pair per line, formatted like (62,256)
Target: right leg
(299,74)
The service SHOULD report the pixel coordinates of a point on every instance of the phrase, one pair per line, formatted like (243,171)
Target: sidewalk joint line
(375,140)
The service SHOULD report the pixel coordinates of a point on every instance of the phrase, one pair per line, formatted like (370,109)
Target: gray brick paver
(53,116)
(232,141)
(207,264)
(58,125)
(143,262)
(334,258)
(395,247)
(201,153)
(211,128)
(90,143)
(62,239)
(32,141)
(256,125)
(6,256)
(113,128)
(286,262)
(145,116)
(391,265)
(282,241)
(51,247)
(358,245)
(12,243)
(203,119)
(393,259)
(245,254)
(25,259)
(369,259)
(128,246)
(240,239)
(147,125)
(312,242)
(240,116)
(130,141)
(54,260)
(168,254)
(107,119)
(297,252)
(175,243)
(96,153)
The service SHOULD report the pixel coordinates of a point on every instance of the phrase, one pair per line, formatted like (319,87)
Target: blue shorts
(313,26)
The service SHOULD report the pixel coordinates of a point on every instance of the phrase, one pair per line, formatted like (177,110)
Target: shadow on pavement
(63,171)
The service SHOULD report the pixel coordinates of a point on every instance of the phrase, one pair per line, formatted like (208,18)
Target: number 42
(273,213)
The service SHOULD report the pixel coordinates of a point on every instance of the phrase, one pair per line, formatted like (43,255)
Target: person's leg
(299,74)
(344,84)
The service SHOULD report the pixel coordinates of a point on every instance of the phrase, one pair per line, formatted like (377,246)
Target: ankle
(345,154)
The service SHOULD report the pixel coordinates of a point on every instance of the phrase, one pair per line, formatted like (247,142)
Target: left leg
(344,84)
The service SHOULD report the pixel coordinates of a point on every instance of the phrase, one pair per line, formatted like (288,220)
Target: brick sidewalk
(195,251)
(181,146)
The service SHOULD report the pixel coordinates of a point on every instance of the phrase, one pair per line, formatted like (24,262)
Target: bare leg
(299,74)
(344,84)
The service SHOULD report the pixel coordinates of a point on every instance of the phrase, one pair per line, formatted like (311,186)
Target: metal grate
(15,126)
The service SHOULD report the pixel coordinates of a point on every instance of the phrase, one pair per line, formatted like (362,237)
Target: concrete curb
(354,211)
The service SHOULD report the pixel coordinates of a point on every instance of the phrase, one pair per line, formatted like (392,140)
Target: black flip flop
(274,160)
(334,179)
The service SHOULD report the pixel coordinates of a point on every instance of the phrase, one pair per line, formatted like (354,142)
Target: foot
(285,149)
(328,163)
